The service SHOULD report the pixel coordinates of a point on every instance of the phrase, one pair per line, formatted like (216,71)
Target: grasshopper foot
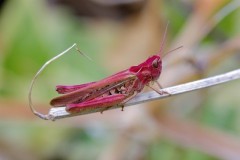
(161,92)
(122,108)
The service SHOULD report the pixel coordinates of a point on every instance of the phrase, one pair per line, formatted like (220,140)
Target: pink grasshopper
(106,93)
(113,90)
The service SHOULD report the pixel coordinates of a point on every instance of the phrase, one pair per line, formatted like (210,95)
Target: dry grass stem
(60,112)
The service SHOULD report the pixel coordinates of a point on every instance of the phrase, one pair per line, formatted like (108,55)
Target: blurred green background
(117,34)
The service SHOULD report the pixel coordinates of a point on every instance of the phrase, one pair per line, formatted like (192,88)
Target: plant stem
(60,112)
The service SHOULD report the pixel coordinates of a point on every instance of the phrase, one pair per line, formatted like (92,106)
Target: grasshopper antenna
(172,51)
(83,54)
(40,115)
(163,39)
(163,43)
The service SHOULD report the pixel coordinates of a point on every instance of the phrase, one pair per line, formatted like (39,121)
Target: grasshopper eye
(155,63)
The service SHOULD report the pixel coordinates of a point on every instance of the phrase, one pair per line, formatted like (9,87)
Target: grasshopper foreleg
(161,92)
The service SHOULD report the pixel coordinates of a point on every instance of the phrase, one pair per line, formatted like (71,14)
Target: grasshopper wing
(61,89)
(95,89)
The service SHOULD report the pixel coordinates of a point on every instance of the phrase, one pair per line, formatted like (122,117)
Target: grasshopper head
(149,70)
(154,66)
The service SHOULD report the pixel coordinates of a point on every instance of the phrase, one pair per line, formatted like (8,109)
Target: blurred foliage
(31,32)
(27,44)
